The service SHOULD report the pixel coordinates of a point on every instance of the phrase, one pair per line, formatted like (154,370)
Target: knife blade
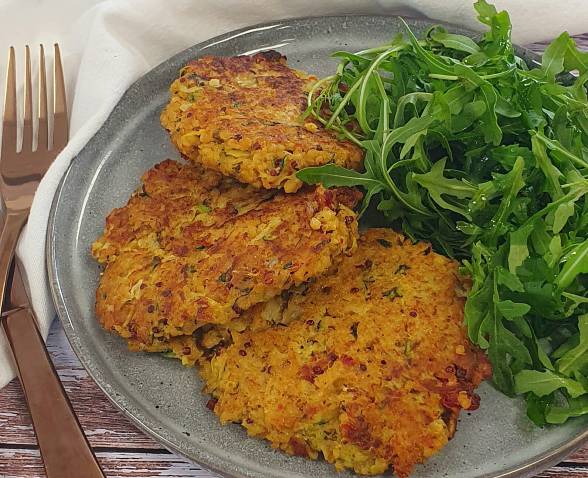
(18,297)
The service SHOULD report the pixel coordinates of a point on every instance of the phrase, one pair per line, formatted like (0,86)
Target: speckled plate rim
(526,469)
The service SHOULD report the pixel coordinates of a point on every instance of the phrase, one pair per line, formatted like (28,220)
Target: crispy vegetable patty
(192,248)
(372,369)
(243,116)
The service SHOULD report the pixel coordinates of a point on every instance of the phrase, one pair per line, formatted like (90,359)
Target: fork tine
(60,125)
(42,130)
(9,120)
(27,131)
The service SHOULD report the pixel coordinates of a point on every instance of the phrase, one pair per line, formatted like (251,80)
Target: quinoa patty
(243,116)
(192,248)
(372,369)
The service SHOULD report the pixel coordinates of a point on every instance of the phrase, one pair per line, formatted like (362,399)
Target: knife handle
(65,449)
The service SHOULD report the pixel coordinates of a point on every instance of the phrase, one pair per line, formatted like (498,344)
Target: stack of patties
(230,263)
(201,242)
(192,250)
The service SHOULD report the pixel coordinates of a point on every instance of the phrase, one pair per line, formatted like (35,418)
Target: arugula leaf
(331,175)
(536,408)
(437,185)
(576,263)
(510,310)
(436,64)
(561,216)
(508,279)
(545,383)
(453,41)
(519,249)
(575,59)
(486,11)
(576,359)
(576,407)
(492,131)
(553,57)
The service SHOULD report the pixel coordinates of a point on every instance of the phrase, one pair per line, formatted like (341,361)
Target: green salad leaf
(486,157)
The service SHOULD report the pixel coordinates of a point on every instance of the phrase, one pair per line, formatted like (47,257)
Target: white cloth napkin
(106,45)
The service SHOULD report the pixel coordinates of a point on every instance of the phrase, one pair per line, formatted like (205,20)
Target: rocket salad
(468,147)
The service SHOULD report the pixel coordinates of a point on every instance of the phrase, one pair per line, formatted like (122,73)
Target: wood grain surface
(122,450)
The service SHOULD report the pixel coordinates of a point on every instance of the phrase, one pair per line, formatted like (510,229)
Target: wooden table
(123,450)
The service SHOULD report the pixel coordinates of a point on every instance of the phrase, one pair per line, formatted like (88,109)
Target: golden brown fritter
(209,339)
(192,248)
(372,369)
(243,116)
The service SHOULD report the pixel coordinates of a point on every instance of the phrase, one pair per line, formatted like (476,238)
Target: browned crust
(243,116)
(192,248)
(372,372)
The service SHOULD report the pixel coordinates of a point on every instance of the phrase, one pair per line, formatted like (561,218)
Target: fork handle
(64,447)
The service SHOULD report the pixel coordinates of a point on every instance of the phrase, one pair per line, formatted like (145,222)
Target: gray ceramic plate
(162,397)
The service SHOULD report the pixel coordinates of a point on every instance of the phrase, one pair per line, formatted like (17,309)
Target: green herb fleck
(392,293)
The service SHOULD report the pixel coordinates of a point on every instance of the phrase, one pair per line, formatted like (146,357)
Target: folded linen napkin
(107,45)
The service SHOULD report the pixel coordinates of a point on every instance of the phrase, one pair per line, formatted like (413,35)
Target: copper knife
(65,449)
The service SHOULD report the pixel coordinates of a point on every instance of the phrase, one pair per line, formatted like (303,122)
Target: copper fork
(64,447)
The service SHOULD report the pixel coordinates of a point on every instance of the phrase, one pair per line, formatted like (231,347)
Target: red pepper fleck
(347,360)
(247,345)
(242,353)
(211,403)
(460,373)
(329,198)
(181,250)
(186,350)
(363,367)
(317,370)
(298,447)
(349,220)
(475,398)
(366,265)
(413,313)
(354,290)
(150,308)
(310,322)
(306,373)
(450,400)
(319,246)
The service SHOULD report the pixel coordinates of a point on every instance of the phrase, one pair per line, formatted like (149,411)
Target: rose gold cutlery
(65,450)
